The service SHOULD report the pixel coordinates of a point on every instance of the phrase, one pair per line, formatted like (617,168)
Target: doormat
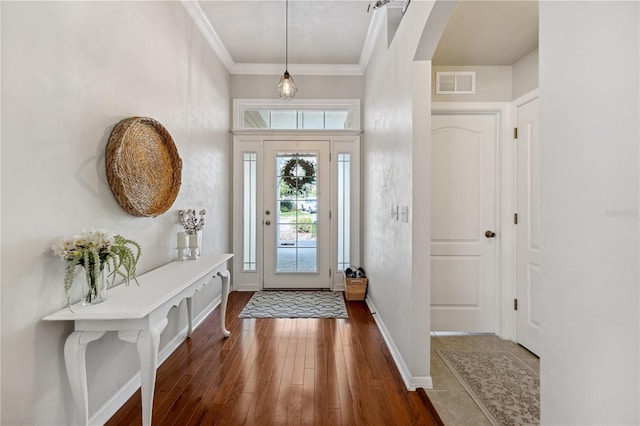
(505,388)
(295,304)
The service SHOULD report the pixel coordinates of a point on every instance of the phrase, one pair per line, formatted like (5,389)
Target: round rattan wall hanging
(143,167)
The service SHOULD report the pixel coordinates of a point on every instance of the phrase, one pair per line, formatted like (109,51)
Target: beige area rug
(505,388)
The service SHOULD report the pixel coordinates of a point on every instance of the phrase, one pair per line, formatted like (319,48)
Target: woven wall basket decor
(143,167)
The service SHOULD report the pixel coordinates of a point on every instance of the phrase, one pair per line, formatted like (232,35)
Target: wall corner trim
(202,22)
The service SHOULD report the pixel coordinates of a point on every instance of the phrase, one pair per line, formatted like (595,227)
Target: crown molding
(202,22)
(370,40)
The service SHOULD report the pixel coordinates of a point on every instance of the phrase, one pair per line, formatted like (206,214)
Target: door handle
(490,234)
(268,222)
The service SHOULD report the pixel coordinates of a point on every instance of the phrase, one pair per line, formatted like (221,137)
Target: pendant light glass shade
(287,87)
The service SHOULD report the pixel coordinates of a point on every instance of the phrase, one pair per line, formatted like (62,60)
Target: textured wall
(590,222)
(70,72)
(309,86)
(388,180)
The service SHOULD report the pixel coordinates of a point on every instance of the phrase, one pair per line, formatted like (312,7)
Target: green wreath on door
(298,183)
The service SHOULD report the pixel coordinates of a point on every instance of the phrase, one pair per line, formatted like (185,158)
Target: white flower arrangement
(189,222)
(94,249)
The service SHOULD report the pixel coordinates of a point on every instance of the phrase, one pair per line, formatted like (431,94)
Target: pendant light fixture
(287,87)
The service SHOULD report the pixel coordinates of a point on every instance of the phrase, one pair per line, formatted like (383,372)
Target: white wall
(589,133)
(493,84)
(309,87)
(524,77)
(400,298)
(70,72)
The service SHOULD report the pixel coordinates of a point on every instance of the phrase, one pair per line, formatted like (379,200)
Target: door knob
(268,222)
(490,234)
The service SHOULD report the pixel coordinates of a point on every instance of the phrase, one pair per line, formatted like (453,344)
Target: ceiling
(254,31)
(489,33)
(335,37)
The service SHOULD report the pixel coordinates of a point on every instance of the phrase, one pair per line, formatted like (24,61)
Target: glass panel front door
(296,218)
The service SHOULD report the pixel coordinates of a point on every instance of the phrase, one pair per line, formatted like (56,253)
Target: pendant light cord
(286,37)
(287,87)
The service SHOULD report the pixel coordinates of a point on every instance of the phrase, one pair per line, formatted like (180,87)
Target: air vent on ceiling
(456,83)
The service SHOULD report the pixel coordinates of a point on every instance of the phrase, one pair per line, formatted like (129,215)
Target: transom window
(303,114)
(297,119)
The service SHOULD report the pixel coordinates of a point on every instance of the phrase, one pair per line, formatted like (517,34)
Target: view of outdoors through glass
(249,255)
(297,228)
(297,119)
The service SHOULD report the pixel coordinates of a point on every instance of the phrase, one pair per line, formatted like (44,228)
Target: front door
(463,219)
(296,215)
(528,228)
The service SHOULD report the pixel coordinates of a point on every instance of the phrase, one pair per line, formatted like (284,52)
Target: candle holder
(183,251)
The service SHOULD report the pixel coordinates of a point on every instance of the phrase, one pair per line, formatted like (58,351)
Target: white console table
(139,314)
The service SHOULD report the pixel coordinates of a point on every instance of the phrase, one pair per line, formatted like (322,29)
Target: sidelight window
(344,210)
(250,211)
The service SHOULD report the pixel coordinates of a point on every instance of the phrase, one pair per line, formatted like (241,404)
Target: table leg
(75,349)
(224,297)
(189,316)
(147,342)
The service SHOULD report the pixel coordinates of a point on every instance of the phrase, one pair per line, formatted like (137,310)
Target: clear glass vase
(195,243)
(95,288)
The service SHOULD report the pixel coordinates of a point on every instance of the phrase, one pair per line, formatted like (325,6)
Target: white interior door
(528,228)
(296,214)
(463,219)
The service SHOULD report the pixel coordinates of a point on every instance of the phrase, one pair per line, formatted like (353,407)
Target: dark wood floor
(281,371)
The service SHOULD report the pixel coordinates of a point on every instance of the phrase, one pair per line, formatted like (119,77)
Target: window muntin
(319,119)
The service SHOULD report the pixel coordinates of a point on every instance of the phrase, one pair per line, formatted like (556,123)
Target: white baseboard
(411,382)
(423,382)
(109,408)
(247,287)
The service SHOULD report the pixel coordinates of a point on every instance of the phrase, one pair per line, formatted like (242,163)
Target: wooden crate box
(355,288)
